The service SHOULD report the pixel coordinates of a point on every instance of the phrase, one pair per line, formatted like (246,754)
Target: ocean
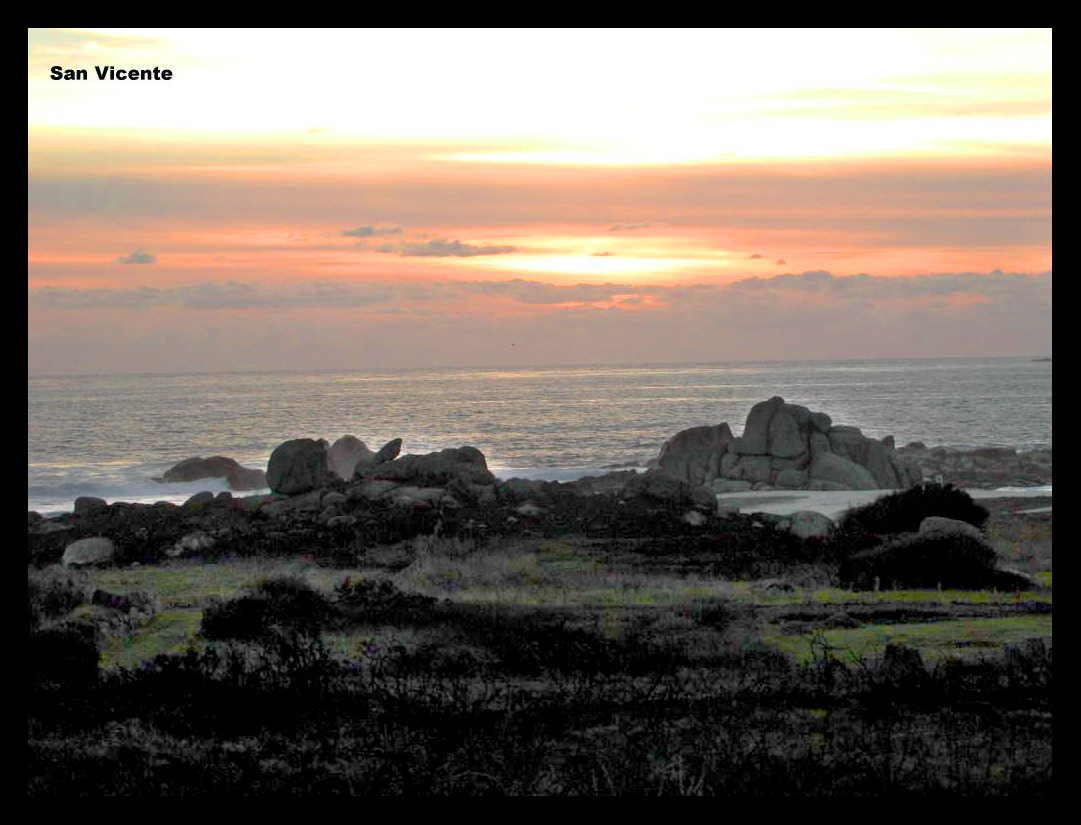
(108,435)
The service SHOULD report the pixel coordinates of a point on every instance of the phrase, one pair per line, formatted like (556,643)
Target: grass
(966,639)
(544,573)
(553,666)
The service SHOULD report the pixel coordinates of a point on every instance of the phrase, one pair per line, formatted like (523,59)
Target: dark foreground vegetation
(552,709)
(528,700)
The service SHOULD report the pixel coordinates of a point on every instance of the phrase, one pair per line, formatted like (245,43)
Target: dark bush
(52,596)
(283,601)
(64,655)
(379,598)
(902,512)
(924,561)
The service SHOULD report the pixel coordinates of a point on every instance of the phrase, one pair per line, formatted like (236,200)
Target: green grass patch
(171,631)
(968,638)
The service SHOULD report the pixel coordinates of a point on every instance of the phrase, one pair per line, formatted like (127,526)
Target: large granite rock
(297,466)
(755,438)
(787,445)
(695,455)
(840,470)
(346,454)
(462,464)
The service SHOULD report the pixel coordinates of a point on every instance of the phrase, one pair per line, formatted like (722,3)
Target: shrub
(903,511)
(924,561)
(50,596)
(64,655)
(379,598)
(283,660)
(283,601)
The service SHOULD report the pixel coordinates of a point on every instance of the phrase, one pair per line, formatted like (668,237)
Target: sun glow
(600,266)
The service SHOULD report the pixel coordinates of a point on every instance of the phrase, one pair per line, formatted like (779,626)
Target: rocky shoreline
(344,496)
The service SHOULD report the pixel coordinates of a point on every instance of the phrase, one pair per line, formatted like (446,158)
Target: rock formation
(388,452)
(193,469)
(787,446)
(987,467)
(663,488)
(346,454)
(463,464)
(297,466)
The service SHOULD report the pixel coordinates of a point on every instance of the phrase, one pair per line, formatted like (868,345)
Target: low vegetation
(591,665)
(862,527)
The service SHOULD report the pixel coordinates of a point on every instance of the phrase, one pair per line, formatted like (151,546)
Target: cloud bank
(322,325)
(443,248)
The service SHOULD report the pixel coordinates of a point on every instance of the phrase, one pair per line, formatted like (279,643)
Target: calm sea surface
(107,435)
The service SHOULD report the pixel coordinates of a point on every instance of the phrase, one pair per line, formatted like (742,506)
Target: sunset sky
(308,199)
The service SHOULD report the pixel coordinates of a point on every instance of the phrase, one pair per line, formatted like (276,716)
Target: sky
(350,199)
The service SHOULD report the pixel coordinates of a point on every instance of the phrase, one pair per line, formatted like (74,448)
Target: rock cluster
(986,467)
(787,446)
(305,464)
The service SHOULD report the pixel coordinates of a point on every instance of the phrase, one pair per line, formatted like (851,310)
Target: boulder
(949,526)
(462,464)
(694,455)
(807,524)
(755,438)
(94,550)
(850,443)
(346,454)
(658,488)
(753,468)
(728,466)
(792,479)
(309,502)
(833,468)
(388,452)
(243,479)
(821,422)
(88,505)
(200,499)
(297,466)
(218,466)
(787,439)
(192,544)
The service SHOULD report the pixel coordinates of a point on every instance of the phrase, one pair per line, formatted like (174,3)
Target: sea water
(109,435)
